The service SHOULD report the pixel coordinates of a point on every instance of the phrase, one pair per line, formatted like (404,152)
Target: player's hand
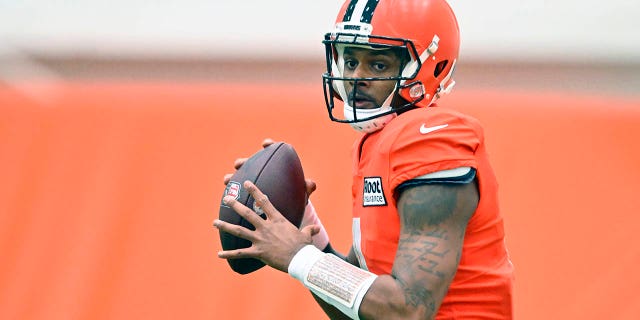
(274,241)
(310,185)
(240,161)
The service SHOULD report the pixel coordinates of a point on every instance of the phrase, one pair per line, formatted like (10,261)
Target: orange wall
(109,190)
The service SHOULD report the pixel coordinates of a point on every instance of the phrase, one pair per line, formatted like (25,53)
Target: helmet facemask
(369,120)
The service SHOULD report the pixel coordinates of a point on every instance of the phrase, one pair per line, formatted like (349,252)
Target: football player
(428,237)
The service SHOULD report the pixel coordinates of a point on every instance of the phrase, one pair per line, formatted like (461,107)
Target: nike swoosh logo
(425,130)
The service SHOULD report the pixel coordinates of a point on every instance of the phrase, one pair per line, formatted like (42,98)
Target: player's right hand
(309,184)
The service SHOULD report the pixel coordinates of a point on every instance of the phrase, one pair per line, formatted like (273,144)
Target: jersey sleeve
(436,142)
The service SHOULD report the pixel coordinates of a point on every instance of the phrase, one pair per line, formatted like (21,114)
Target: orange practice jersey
(416,143)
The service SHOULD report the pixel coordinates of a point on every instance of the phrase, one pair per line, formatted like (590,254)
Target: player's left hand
(275,240)
(310,185)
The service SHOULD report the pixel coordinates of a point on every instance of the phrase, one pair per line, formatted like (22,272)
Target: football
(276,170)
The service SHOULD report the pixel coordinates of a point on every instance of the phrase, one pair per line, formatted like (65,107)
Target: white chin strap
(370,125)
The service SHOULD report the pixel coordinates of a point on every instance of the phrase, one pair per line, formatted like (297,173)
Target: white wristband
(321,239)
(337,282)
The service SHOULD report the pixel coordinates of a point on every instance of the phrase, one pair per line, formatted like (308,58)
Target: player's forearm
(359,294)
(332,312)
(388,298)
(384,300)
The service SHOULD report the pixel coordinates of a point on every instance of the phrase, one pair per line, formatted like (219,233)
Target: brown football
(276,170)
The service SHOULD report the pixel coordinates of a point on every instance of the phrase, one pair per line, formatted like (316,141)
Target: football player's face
(368,63)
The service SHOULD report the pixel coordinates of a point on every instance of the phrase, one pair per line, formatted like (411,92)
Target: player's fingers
(267,142)
(243,211)
(227,178)
(311,230)
(310,186)
(262,201)
(236,254)
(236,230)
(239,162)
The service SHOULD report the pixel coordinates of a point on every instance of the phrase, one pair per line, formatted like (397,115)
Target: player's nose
(358,74)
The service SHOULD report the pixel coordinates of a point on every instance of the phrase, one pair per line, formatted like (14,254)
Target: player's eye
(379,66)
(350,64)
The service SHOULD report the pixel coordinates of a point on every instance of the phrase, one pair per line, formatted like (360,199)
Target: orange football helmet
(426,30)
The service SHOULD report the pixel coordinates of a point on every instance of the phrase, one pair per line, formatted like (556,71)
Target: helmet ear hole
(440,67)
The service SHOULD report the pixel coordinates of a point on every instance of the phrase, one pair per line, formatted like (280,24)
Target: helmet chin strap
(371,125)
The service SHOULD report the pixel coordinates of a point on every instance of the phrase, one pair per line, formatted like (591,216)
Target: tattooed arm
(433,222)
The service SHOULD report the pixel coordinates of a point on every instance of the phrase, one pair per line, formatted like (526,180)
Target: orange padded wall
(108,191)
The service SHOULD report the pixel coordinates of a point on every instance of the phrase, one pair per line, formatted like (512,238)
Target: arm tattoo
(421,253)
(417,296)
(429,209)
(425,254)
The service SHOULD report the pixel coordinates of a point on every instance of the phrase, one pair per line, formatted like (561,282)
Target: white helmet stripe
(360,11)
